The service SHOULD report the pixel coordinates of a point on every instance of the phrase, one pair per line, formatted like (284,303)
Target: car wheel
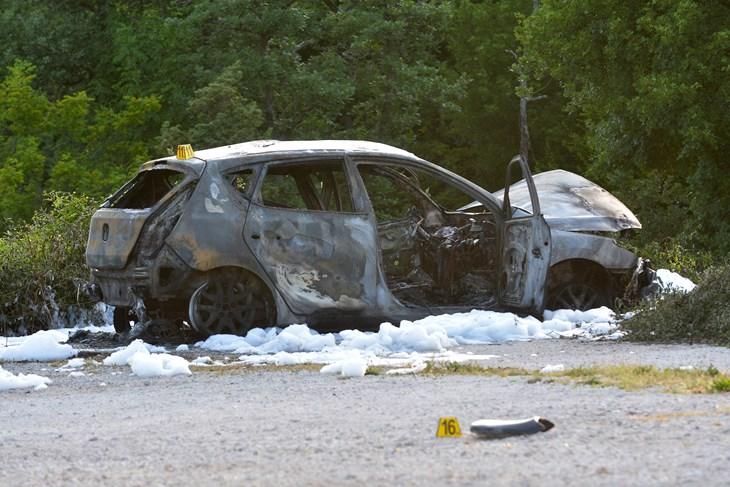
(229,302)
(582,296)
(579,290)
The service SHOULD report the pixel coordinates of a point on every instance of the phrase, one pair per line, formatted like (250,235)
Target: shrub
(700,316)
(671,253)
(42,267)
(721,385)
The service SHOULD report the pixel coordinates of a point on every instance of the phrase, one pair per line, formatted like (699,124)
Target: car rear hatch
(117,225)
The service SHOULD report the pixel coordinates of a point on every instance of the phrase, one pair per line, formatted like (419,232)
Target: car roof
(300,146)
(233,154)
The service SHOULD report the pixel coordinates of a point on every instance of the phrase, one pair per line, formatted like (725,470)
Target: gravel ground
(286,428)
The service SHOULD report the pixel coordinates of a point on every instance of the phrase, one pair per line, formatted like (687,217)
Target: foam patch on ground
(144,363)
(411,344)
(673,282)
(433,334)
(8,380)
(44,345)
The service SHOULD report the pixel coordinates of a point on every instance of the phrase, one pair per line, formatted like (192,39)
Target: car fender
(601,250)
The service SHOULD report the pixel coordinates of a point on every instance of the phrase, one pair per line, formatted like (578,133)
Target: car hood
(571,202)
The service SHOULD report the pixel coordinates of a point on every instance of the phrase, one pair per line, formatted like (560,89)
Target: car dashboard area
(453,263)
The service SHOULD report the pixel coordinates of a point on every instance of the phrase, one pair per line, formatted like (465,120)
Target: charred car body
(342,234)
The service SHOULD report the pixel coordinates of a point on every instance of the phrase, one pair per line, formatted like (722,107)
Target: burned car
(342,234)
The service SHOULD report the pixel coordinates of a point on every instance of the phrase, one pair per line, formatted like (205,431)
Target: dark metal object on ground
(498,428)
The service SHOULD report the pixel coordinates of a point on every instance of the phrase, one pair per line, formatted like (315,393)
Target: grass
(627,377)
(236,368)
(468,368)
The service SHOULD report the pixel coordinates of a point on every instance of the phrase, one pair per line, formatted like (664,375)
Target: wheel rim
(576,296)
(230,304)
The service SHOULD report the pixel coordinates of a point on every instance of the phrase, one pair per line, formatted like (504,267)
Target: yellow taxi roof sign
(185,151)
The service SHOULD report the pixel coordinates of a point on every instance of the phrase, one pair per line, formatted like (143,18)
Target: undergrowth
(702,315)
(627,377)
(42,267)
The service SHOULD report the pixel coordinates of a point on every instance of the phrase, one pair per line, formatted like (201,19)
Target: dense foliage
(42,268)
(633,94)
(650,82)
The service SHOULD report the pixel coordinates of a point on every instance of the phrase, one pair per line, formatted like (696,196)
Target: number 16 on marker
(448,428)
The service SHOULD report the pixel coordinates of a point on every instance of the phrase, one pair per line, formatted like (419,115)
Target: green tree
(69,144)
(649,80)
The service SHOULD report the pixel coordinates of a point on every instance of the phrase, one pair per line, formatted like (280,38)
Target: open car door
(524,250)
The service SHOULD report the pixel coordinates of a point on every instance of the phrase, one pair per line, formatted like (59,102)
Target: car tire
(580,290)
(229,302)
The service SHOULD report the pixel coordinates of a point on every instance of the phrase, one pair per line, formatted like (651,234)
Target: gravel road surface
(282,428)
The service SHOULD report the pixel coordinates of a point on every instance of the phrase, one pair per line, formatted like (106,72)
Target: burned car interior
(345,234)
(430,256)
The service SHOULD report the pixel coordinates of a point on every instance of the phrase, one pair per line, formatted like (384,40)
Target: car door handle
(255,236)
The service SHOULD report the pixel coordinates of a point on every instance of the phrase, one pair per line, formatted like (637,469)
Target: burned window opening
(146,189)
(312,185)
(242,181)
(431,256)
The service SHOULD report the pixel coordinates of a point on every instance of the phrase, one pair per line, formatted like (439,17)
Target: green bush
(671,253)
(700,316)
(42,267)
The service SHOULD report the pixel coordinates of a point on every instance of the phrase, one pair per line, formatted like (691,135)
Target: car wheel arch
(203,276)
(582,272)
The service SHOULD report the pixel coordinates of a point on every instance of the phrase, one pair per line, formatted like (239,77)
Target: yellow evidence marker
(185,151)
(448,428)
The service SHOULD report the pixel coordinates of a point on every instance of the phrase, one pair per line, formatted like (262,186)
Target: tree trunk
(524,131)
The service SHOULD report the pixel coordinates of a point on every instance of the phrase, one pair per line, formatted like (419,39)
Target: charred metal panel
(112,236)
(317,260)
(525,263)
(571,202)
(525,250)
(602,250)
(115,288)
(209,233)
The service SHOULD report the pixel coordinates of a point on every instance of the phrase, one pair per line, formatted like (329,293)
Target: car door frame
(525,248)
(388,301)
(304,290)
